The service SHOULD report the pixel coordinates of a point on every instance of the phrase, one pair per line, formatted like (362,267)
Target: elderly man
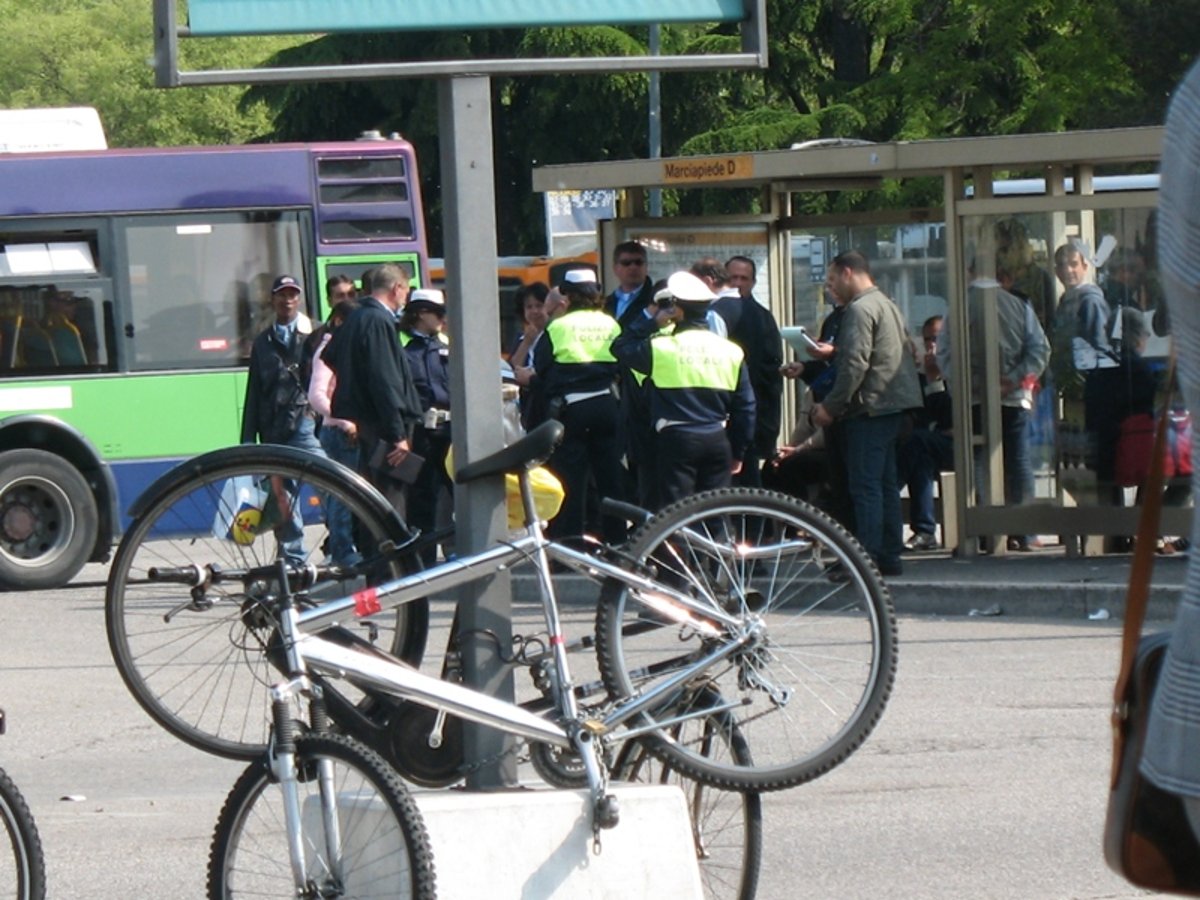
(876,383)
(752,327)
(374,384)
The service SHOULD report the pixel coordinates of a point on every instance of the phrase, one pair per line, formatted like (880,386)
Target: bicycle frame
(378,670)
(374,669)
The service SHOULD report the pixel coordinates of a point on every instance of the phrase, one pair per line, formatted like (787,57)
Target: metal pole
(485,606)
(656,208)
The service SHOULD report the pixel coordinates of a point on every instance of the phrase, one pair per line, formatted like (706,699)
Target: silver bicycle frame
(383,672)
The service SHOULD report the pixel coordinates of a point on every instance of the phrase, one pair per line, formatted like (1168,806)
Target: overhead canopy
(823,165)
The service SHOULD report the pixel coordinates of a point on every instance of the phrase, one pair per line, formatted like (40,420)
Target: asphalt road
(986,778)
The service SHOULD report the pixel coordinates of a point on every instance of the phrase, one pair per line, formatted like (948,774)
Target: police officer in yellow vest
(701,402)
(575,373)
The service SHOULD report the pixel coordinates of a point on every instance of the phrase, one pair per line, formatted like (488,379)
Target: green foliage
(98,53)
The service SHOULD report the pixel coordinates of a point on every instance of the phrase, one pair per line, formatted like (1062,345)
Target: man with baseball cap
(277,410)
(701,403)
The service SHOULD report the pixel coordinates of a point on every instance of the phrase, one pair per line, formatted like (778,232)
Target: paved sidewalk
(1038,583)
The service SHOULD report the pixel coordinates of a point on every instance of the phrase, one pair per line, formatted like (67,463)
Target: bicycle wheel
(23,873)
(377,847)
(817,656)
(726,825)
(193,649)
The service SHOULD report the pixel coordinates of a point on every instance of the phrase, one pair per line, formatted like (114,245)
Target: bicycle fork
(282,761)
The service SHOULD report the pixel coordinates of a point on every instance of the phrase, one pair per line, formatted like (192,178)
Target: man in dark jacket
(634,288)
(277,410)
(627,304)
(752,327)
(374,385)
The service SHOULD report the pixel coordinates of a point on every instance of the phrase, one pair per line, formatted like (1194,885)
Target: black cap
(285,281)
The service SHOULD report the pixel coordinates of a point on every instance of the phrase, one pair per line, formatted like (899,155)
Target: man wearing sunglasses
(634,288)
(627,304)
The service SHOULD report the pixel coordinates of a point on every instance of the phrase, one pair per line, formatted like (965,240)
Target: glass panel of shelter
(1070,442)
(1089,278)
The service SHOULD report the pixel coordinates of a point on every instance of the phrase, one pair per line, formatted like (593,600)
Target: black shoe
(921,541)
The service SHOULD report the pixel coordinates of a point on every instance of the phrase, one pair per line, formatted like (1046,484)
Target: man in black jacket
(374,385)
(634,289)
(627,304)
(277,410)
(753,328)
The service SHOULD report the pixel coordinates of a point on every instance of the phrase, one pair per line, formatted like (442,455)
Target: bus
(132,284)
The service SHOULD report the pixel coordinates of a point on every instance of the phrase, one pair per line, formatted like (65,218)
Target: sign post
(465,125)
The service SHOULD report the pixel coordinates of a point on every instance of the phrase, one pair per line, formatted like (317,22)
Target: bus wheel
(48,520)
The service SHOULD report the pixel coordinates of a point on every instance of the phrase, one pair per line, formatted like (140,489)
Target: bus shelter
(998,209)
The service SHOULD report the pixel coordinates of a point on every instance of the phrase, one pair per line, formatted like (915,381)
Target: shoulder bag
(1147,837)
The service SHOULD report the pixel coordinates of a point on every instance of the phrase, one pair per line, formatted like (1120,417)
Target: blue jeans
(290,534)
(874,486)
(1018,466)
(919,460)
(340,448)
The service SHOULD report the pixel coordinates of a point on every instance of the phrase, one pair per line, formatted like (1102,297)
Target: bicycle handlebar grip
(191,575)
(630,511)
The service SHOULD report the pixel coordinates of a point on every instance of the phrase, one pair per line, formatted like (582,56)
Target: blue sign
(207,18)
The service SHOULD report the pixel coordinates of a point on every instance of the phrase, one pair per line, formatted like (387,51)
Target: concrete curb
(912,595)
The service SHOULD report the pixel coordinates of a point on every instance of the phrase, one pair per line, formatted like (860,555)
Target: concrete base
(533,844)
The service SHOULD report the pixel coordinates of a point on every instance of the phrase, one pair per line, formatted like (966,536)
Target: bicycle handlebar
(630,511)
(195,576)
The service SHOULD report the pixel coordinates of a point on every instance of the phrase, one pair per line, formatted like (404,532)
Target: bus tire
(48,520)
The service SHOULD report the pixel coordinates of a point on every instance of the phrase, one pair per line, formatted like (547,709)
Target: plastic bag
(548,494)
(238,517)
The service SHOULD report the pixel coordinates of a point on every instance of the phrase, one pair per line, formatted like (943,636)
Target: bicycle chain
(467,769)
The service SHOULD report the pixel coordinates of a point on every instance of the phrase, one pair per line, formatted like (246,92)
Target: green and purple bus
(132,283)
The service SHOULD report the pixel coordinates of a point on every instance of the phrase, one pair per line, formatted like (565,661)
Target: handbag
(1135,444)
(1147,837)
(1135,447)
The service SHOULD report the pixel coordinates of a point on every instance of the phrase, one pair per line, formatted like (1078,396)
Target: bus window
(199,288)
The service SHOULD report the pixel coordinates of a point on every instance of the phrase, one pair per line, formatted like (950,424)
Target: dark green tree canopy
(876,70)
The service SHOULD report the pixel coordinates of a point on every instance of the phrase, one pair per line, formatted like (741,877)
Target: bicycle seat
(526,453)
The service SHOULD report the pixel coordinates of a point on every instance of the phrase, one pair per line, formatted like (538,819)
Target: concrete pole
(468,196)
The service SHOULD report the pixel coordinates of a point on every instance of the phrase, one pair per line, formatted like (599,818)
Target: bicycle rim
(198,662)
(380,848)
(726,825)
(22,867)
(813,679)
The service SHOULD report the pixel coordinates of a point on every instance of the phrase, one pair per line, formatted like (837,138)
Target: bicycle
(23,869)
(703,577)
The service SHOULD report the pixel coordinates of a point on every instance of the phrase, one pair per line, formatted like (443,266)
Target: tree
(877,70)
(98,53)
